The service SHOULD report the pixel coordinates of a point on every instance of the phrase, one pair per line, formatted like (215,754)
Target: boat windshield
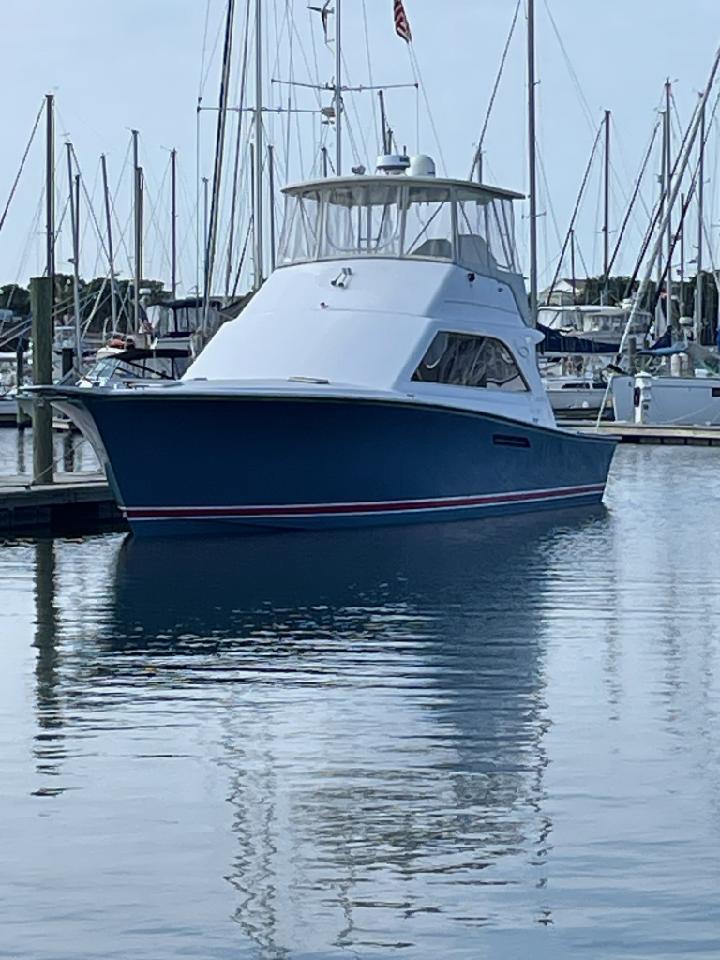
(392,218)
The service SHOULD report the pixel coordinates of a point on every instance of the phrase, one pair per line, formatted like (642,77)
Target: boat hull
(670,401)
(579,402)
(187,464)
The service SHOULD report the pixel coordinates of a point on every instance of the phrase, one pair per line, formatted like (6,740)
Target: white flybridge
(375,267)
(384,373)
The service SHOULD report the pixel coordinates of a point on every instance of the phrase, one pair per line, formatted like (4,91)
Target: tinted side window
(469,361)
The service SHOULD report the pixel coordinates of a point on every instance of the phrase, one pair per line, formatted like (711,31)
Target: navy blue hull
(203,464)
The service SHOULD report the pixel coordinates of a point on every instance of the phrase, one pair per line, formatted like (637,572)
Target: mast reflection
(48,748)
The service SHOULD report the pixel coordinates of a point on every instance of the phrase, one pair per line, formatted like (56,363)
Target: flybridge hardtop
(431,183)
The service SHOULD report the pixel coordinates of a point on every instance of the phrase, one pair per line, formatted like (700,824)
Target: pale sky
(117,64)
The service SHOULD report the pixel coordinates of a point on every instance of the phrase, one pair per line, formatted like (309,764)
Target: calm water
(70,452)
(497,740)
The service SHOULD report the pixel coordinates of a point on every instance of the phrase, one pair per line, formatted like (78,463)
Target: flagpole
(532,164)
(338,87)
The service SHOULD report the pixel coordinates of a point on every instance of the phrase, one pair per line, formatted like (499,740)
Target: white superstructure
(403,285)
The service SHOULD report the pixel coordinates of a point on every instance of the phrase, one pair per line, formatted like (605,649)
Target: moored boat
(385,373)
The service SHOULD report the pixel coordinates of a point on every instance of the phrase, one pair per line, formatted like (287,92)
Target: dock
(79,502)
(649,433)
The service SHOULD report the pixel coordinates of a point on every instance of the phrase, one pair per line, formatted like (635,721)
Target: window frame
(464,386)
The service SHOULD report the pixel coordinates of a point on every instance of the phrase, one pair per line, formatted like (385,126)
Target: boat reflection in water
(378,698)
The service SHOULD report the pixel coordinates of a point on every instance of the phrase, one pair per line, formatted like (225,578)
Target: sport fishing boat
(385,372)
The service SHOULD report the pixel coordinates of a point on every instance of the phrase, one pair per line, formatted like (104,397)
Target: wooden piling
(41,300)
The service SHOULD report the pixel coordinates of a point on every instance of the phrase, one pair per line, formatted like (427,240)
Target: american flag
(402,24)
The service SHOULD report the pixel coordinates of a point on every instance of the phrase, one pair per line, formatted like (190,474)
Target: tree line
(95,300)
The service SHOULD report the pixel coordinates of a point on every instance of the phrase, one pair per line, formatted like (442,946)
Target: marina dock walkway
(650,433)
(73,501)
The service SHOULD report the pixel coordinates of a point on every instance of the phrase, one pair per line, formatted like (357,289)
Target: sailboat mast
(173,223)
(206,233)
(138,227)
(661,201)
(74,197)
(532,164)
(698,325)
(271,203)
(668,186)
(606,204)
(50,188)
(259,150)
(212,233)
(338,87)
(111,252)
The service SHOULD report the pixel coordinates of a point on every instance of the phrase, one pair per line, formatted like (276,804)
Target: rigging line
(61,221)
(122,232)
(571,69)
(495,89)
(16,181)
(636,193)
(242,257)
(113,212)
(597,230)
(578,251)
(204,48)
(676,112)
(369,63)
(185,195)
(86,220)
(419,80)
(548,202)
(317,93)
(575,213)
(279,35)
(209,62)
(640,196)
(314,52)
(666,275)
(280,30)
(32,233)
(285,159)
(354,108)
(88,201)
(153,220)
(225,79)
(94,309)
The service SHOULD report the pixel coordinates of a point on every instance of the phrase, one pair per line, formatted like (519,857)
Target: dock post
(41,300)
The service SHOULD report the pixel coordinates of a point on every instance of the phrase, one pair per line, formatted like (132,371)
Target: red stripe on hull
(342,509)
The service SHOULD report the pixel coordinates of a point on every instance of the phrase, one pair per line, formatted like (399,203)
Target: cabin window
(465,360)
(429,226)
(362,220)
(486,233)
(301,228)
